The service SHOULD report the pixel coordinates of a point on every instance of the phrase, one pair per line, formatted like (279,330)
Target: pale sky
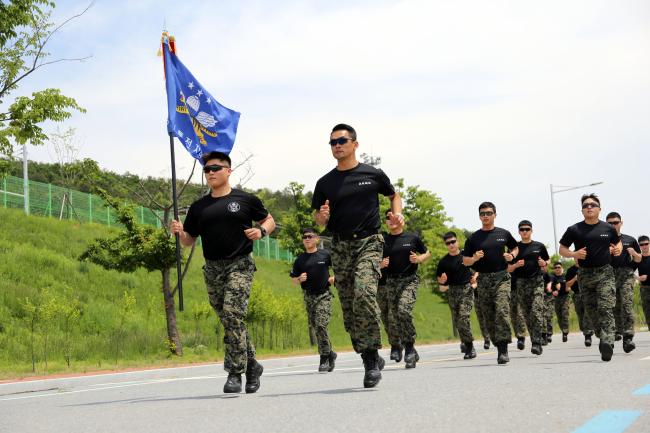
(472,100)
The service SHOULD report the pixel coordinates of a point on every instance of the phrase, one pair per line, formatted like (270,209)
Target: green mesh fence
(54,201)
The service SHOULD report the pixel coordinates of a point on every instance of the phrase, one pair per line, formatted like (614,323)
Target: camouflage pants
(531,299)
(480,317)
(461,302)
(598,290)
(624,308)
(229,284)
(562,303)
(403,292)
(517,314)
(645,300)
(494,297)
(356,272)
(583,322)
(387,316)
(319,312)
(549,306)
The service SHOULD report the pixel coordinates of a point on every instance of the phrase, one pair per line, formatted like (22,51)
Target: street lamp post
(565,188)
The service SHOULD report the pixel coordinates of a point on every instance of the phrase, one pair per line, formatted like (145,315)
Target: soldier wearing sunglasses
(224,220)
(527,271)
(311,271)
(455,279)
(624,267)
(346,200)
(488,252)
(594,243)
(644,276)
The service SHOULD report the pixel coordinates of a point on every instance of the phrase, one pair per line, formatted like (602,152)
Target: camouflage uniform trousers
(403,292)
(531,299)
(480,317)
(645,300)
(229,284)
(549,306)
(624,308)
(356,272)
(319,313)
(562,303)
(461,302)
(387,316)
(494,297)
(517,313)
(598,290)
(583,322)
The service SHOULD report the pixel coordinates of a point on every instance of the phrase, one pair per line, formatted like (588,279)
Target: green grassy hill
(39,268)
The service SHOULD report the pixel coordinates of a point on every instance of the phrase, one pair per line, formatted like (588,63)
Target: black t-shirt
(398,248)
(562,281)
(457,273)
(317,266)
(221,222)
(547,279)
(644,269)
(596,237)
(625,259)
(530,253)
(571,273)
(352,195)
(493,243)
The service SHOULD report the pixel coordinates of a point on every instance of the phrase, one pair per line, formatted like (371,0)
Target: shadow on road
(323,392)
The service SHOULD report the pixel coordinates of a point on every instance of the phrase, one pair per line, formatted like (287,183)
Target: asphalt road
(567,389)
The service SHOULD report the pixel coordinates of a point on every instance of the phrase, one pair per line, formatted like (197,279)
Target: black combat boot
(536,349)
(411,356)
(324,363)
(332,360)
(628,344)
(502,348)
(380,362)
(395,353)
(606,351)
(521,343)
(253,372)
(549,337)
(470,352)
(233,383)
(618,337)
(544,339)
(565,337)
(463,348)
(486,343)
(588,340)
(372,376)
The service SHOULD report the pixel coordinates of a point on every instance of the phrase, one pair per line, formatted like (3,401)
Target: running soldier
(561,300)
(224,221)
(346,200)
(644,277)
(624,267)
(595,242)
(485,252)
(311,271)
(454,274)
(527,270)
(574,288)
(402,253)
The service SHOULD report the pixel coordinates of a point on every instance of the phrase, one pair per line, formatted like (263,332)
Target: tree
(25,31)
(293,222)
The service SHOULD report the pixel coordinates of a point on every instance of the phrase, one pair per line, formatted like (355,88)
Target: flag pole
(178,239)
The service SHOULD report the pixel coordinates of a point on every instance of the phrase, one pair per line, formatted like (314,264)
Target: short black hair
(592,196)
(643,238)
(613,215)
(557,264)
(525,223)
(344,127)
(309,230)
(216,155)
(449,235)
(487,204)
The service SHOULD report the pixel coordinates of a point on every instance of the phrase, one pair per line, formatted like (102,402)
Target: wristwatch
(263,230)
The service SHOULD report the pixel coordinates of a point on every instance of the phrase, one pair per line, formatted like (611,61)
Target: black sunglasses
(645,244)
(450,242)
(590,205)
(486,213)
(524,229)
(213,168)
(340,140)
(308,236)
(614,223)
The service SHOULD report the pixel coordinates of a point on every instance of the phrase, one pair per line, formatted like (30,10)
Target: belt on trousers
(352,236)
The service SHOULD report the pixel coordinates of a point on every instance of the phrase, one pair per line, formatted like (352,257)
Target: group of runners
(375,274)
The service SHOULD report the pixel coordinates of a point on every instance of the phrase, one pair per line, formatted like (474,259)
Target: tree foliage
(293,222)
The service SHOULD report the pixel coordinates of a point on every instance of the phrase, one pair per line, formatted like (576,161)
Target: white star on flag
(191,85)
(208,100)
(200,92)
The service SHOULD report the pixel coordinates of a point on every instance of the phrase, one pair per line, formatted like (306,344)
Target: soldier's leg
(387,315)
(627,302)
(464,307)
(215,281)
(516,315)
(487,305)
(606,299)
(481,319)
(366,277)
(524,295)
(580,311)
(343,265)
(405,304)
(549,306)
(534,294)
(562,313)
(321,313)
(502,291)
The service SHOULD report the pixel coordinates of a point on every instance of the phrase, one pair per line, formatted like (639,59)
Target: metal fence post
(90,208)
(268,247)
(49,198)
(4,188)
